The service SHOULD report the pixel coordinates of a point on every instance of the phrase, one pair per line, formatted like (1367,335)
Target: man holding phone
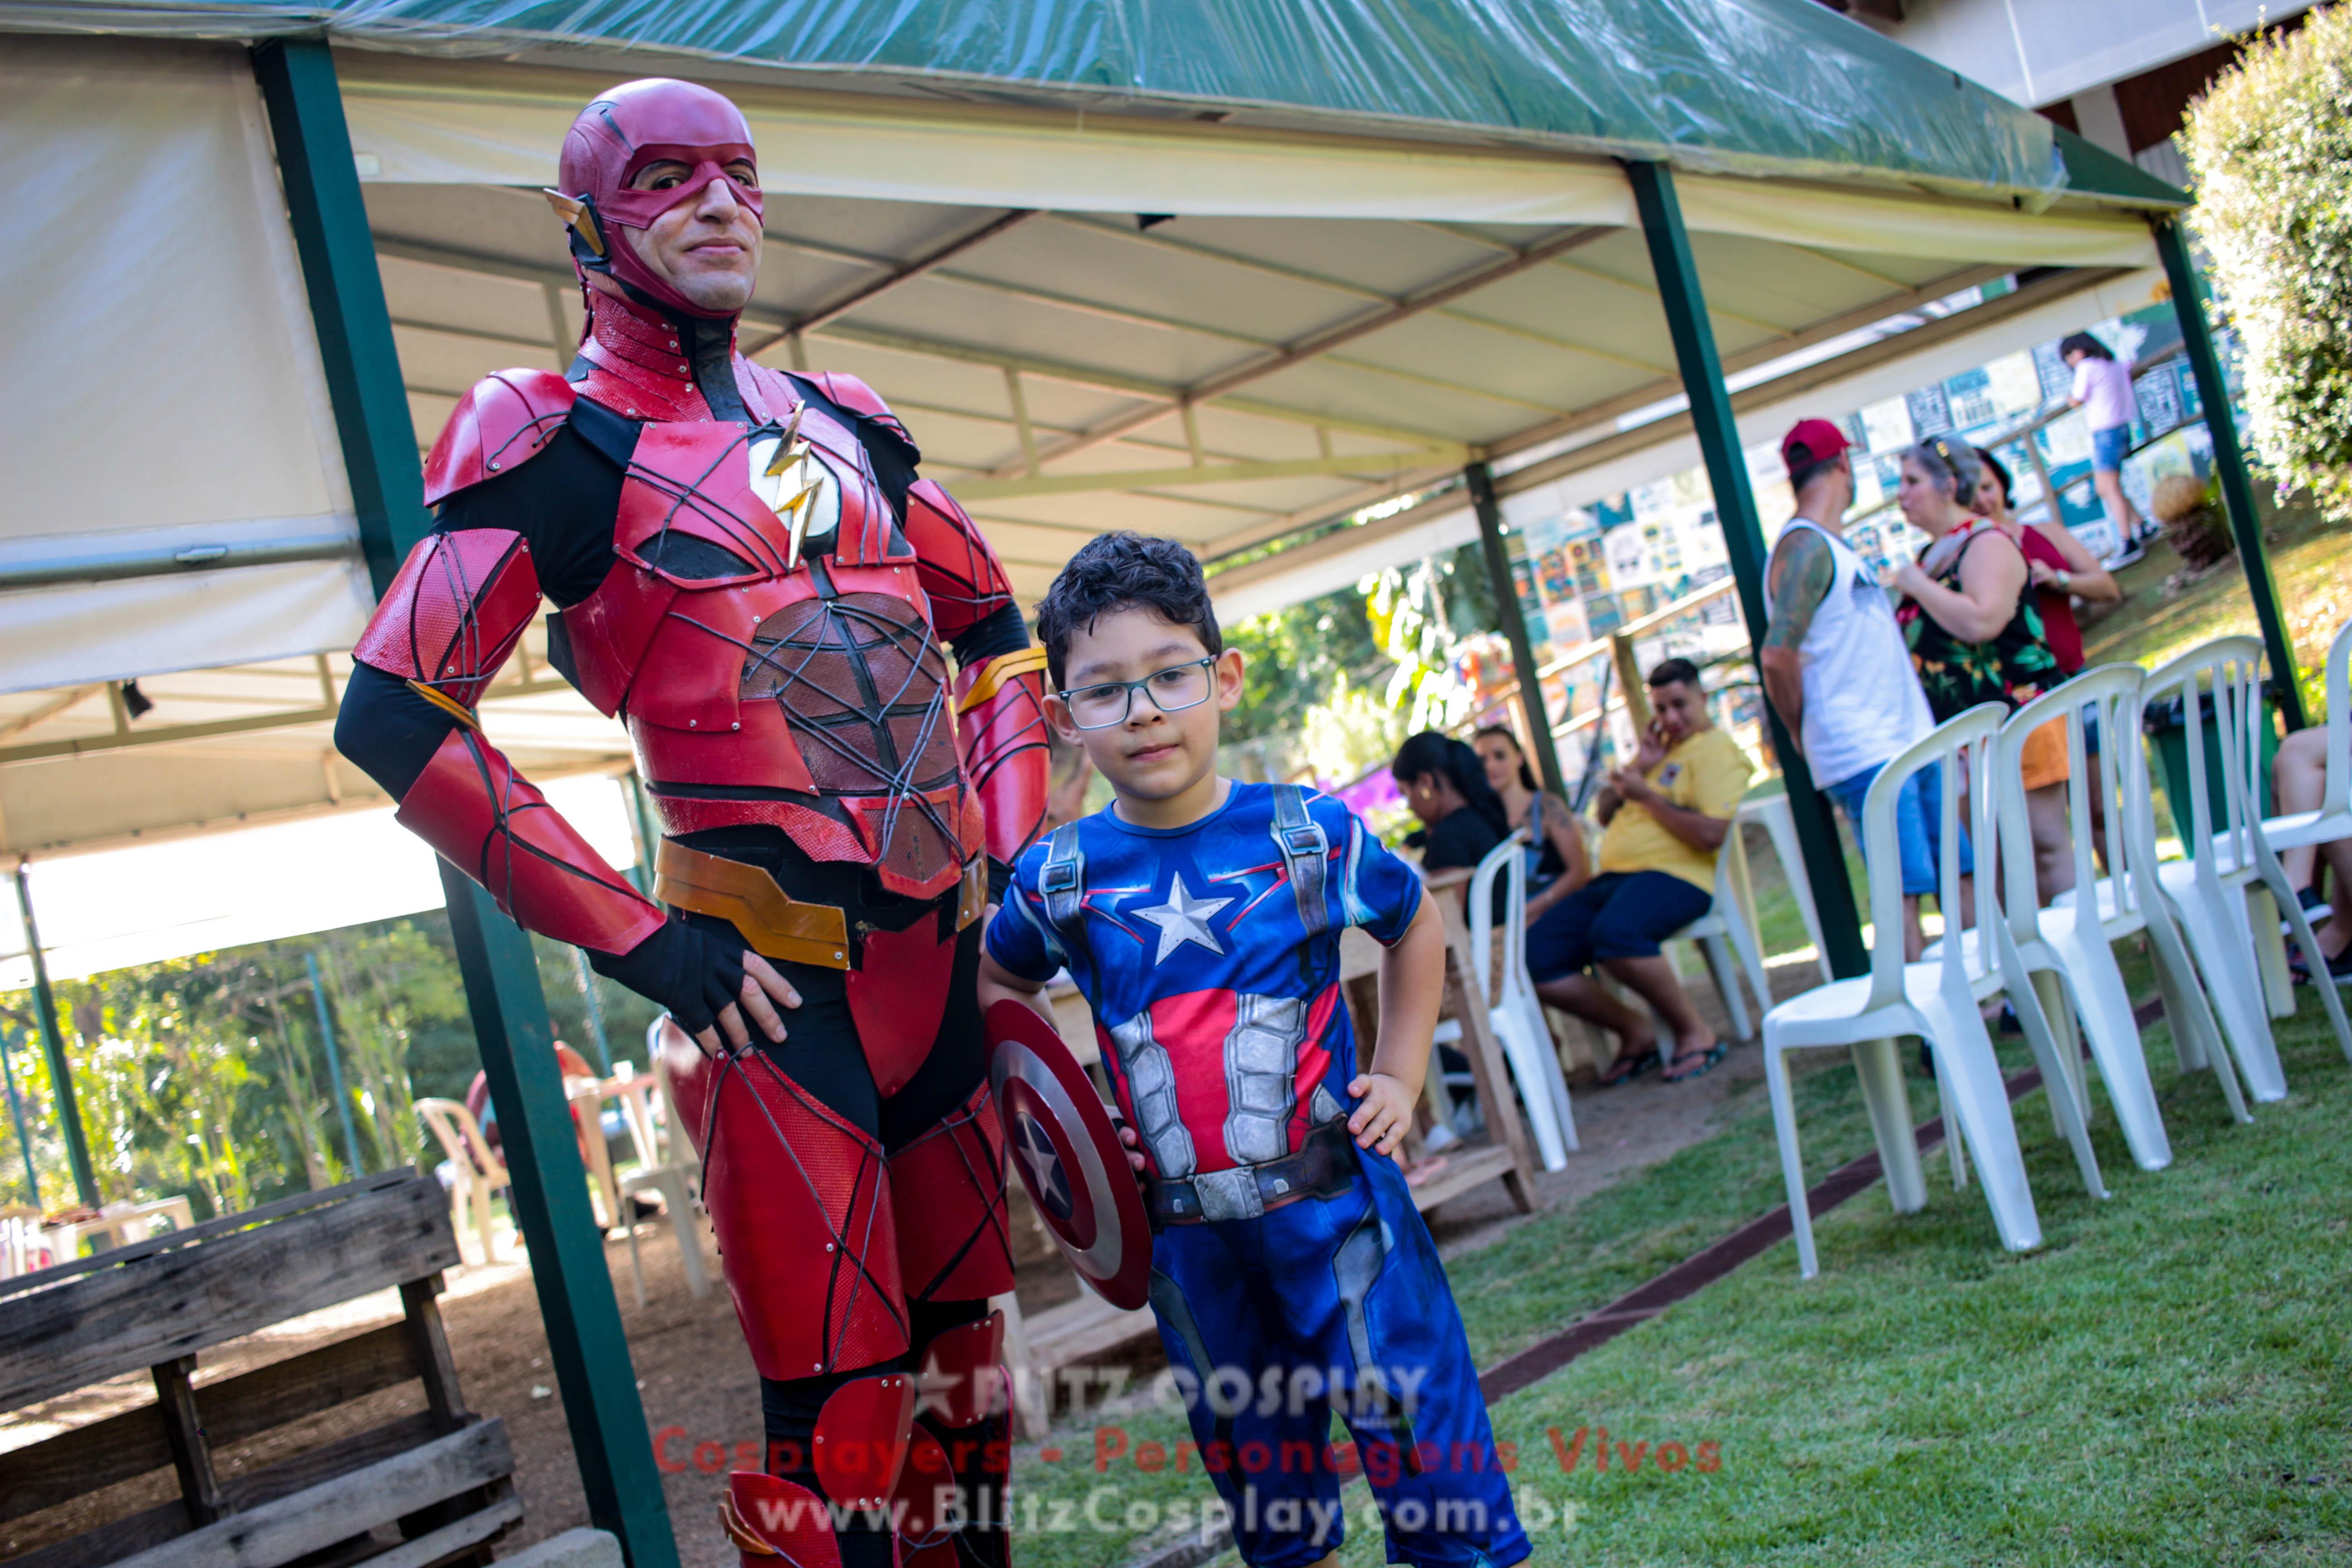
(1666,817)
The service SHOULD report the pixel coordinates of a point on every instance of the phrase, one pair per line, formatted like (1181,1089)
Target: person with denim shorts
(2102,391)
(1835,667)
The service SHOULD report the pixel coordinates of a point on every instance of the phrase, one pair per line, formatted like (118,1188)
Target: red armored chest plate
(765,670)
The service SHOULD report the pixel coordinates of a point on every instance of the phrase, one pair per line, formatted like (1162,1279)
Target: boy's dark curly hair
(1125,570)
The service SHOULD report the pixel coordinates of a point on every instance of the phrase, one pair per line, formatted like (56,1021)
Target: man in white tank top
(1834,663)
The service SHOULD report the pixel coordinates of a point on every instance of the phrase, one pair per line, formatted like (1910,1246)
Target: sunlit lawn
(2311,560)
(2162,1383)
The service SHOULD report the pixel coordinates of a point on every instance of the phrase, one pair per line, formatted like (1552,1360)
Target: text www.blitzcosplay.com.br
(1591,1450)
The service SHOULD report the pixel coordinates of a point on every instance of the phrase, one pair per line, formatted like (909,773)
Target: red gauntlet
(493,825)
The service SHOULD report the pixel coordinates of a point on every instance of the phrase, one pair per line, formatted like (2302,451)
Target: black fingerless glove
(683,968)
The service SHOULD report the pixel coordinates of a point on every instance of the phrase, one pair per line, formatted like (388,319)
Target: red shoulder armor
(460,603)
(504,419)
(962,575)
(854,395)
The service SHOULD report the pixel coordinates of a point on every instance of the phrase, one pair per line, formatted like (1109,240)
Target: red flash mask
(654,120)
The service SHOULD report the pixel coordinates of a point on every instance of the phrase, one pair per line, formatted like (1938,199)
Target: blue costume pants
(1273,1324)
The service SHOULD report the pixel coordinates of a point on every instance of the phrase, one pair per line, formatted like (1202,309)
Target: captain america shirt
(1210,955)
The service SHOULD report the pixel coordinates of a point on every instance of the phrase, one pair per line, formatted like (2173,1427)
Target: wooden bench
(441,1477)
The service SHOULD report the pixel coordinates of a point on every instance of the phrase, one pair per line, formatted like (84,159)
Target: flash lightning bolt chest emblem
(792,481)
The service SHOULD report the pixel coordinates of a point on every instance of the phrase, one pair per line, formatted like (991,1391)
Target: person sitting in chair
(1666,817)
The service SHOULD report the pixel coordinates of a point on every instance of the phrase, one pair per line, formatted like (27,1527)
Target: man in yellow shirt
(1666,816)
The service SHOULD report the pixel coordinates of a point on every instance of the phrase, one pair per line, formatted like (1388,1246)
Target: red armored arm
(455,613)
(1000,684)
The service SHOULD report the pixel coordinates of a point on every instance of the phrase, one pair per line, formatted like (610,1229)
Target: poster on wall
(1931,412)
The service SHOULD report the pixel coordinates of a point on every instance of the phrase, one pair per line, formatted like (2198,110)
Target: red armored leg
(799,1199)
(952,1493)
(777,1523)
(948,1189)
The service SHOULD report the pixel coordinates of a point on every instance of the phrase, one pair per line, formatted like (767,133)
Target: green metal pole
(53,1045)
(583,1319)
(1481,479)
(16,1114)
(1743,536)
(584,1339)
(2229,463)
(642,873)
(334,1064)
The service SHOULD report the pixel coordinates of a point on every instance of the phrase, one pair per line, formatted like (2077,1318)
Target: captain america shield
(1059,1137)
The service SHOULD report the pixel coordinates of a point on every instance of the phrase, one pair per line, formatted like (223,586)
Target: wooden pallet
(442,1475)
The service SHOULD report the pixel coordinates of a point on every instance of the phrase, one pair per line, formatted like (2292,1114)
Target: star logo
(1036,1151)
(1182,919)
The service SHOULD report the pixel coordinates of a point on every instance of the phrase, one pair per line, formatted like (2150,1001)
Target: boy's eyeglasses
(1172,690)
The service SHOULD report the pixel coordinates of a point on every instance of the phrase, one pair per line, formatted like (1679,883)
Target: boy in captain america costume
(1200,916)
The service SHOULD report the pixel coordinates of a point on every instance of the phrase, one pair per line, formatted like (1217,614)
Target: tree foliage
(1293,657)
(2270,148)
(209,1076)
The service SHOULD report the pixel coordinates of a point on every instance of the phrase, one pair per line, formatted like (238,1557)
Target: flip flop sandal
(1643,1063)
(1707,1065)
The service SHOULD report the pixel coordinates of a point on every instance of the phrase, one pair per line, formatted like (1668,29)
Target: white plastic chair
(1718,934)
(2208,893)
(664,1139)
(1515,1014)
(675,1182)
(2197,1043)
(2069,943)
(476,1172)
(2333,820)
(1771,813)
(1936,999)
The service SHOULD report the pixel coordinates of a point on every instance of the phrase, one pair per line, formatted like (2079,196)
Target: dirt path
(701,1397)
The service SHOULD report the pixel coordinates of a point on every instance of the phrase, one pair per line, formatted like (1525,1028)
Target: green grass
(2162,1383)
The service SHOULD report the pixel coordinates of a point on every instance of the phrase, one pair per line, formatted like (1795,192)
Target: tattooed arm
(1799,576)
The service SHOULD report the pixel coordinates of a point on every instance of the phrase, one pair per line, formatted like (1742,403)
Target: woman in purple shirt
(2102,391)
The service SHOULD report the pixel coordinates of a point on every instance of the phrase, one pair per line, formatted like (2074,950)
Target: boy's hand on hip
(1386,1112)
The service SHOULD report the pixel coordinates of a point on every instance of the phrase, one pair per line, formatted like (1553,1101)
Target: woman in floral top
(1975,633)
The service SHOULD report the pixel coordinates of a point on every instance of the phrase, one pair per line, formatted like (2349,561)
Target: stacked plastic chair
(2208,891)
(1936,999)
(2067,946)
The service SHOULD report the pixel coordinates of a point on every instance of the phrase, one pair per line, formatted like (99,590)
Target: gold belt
(772,921)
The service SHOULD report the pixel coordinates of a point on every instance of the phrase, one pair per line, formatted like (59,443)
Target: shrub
(2270,148)
(2194,524)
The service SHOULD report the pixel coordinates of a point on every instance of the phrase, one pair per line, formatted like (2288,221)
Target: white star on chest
(1182,919)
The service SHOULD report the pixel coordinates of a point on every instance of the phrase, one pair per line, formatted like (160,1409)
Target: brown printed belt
(1324,1166)
(773,922)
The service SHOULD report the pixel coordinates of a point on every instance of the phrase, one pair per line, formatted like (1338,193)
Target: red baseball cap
(1812,441)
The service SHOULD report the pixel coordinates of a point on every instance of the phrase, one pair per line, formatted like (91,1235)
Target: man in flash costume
(748,571)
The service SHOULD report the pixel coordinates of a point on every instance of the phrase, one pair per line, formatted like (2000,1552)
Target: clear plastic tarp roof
(1779,87)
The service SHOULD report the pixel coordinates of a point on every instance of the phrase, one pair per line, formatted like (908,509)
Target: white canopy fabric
(418,121)
(191,895)
(1611,467)
(160,384)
